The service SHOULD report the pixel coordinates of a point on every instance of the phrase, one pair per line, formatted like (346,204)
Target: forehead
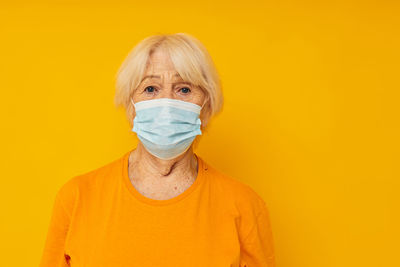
(160,60)
(160,67)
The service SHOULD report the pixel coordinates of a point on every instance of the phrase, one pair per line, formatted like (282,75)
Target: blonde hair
(191,60)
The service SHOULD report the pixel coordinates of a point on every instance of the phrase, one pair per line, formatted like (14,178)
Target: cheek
(199,96)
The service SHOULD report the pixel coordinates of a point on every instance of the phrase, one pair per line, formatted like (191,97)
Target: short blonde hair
(191,60)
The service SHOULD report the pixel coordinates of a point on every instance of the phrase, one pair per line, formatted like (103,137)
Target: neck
(147,165)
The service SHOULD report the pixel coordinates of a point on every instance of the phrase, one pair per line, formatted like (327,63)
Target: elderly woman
(161,204)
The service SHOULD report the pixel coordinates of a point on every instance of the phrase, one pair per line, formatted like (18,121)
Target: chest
(171,237)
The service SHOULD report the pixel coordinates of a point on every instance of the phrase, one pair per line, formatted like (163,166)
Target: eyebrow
(157,76)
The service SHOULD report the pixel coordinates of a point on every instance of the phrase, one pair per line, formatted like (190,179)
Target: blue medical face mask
(166,127)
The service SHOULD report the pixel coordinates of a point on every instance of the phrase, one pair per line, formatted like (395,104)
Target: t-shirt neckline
(156,202)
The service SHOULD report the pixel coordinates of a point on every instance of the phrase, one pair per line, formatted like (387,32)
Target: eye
(151,89)
(185,90)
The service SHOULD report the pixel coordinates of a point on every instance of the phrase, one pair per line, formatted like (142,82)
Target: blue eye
(149,87)
(185,91)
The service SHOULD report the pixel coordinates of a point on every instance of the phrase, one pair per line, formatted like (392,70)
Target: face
(161,80)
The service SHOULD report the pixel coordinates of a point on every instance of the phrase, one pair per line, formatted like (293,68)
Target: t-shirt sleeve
(257,249)
(53,253)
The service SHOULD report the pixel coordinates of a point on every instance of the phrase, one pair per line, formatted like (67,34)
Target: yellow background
(310,121)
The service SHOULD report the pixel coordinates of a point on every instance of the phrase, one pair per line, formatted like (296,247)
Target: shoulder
(251,212)
(245,198)
(80,185)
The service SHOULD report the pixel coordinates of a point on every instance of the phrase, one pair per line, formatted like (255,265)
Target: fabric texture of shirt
(99,219)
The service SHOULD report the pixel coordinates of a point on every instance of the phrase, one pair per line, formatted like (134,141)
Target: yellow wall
(311,117)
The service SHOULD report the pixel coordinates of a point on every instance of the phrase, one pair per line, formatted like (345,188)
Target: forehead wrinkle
(152,76)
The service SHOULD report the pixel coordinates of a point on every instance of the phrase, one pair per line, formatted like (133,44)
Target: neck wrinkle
(147,165)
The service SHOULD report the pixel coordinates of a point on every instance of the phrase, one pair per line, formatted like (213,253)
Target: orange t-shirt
(99,219)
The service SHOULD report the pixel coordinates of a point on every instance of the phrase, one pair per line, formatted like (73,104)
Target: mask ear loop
(204,103)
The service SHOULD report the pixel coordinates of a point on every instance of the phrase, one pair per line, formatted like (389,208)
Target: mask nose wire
(201,106)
